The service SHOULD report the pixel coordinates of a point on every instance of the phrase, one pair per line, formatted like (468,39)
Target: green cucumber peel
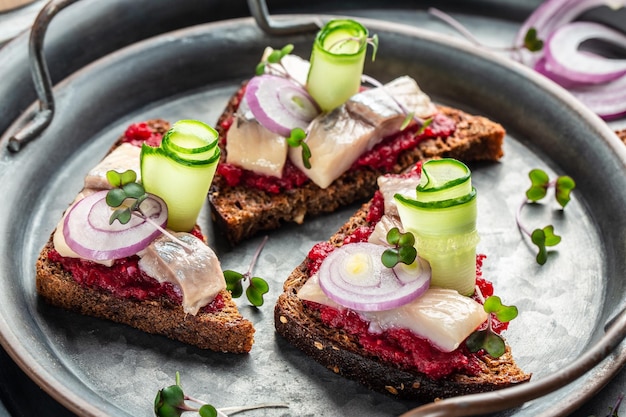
(337,60)
(257,287)
(544,237)
(434,205)
(488,339)
(181,170)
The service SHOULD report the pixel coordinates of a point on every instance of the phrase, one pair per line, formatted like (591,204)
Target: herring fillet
(338,138)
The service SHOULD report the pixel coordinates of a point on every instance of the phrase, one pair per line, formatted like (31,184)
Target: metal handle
(41,77)
(476,404)
(258,10)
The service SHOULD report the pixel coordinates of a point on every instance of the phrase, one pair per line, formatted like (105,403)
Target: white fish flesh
(251,146)
(198,274)
(338,138)
(122,158)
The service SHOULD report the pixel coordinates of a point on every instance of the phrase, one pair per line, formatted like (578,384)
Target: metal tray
(94,367)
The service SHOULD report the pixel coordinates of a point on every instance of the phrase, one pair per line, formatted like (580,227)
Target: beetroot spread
(383,156)
(124,279)
(398,346)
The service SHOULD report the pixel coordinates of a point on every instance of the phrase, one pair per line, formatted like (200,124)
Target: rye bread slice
(341,353)
(222,331)
(241,212)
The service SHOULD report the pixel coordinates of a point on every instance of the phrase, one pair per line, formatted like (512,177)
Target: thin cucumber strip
(183,188)
(442,218)
(337,60)
(191,140)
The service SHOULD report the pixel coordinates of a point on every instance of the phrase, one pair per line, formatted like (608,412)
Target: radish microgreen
(487,339)
(298,138)
(403,249)
(257,287)
(540,183)
(172,402)
(273,60)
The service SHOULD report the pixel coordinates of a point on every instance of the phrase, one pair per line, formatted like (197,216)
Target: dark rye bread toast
(224,330)
(341,353)
(241,212)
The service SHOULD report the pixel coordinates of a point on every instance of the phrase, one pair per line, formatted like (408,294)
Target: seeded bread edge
(241,212)
(341,353)
(223,331)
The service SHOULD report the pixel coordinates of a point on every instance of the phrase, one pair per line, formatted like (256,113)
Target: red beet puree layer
(400,347)
(124,279)
(383,156)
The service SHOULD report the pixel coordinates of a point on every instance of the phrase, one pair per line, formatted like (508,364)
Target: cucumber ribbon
(337,60)
(181,170)
(442,217)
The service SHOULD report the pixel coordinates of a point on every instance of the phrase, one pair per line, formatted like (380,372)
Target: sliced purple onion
(280,104)
(564,57)
(353,275)
(597,82)
(87,231)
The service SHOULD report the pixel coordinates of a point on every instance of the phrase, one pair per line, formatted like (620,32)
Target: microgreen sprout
(274,61)
(531,42)
(487,339)
(126,197)
(172,402)
(540,183)
(257,287)
(298,138)
(403,249)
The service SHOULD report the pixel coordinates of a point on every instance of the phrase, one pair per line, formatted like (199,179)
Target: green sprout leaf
(257,287)
(532,42)
(115,197)
(233,283)
(168,402)
(207,410)
(504,313)
(297,138)
(491,342)
(274,58)
(539,185)
(125,188)
(403,249)
(564,186)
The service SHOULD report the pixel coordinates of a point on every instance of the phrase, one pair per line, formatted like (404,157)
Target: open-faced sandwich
(396,299)
(307,137)
(128,248)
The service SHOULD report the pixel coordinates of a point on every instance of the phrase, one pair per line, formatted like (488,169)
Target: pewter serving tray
(95,367)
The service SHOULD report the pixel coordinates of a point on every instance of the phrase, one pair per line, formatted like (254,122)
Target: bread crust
(241,212)
(222,331)
(341,352)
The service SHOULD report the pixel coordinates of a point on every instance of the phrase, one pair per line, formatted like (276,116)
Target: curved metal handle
(258,10)
(41,77)
(475,404)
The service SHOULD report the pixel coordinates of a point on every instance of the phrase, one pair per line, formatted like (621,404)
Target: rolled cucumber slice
(337,60)
(181,170)
(442,217)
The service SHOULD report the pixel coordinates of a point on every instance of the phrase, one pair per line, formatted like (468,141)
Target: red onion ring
(87,231)
(563,57)
(279,104)
(602,91)
(377,287)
